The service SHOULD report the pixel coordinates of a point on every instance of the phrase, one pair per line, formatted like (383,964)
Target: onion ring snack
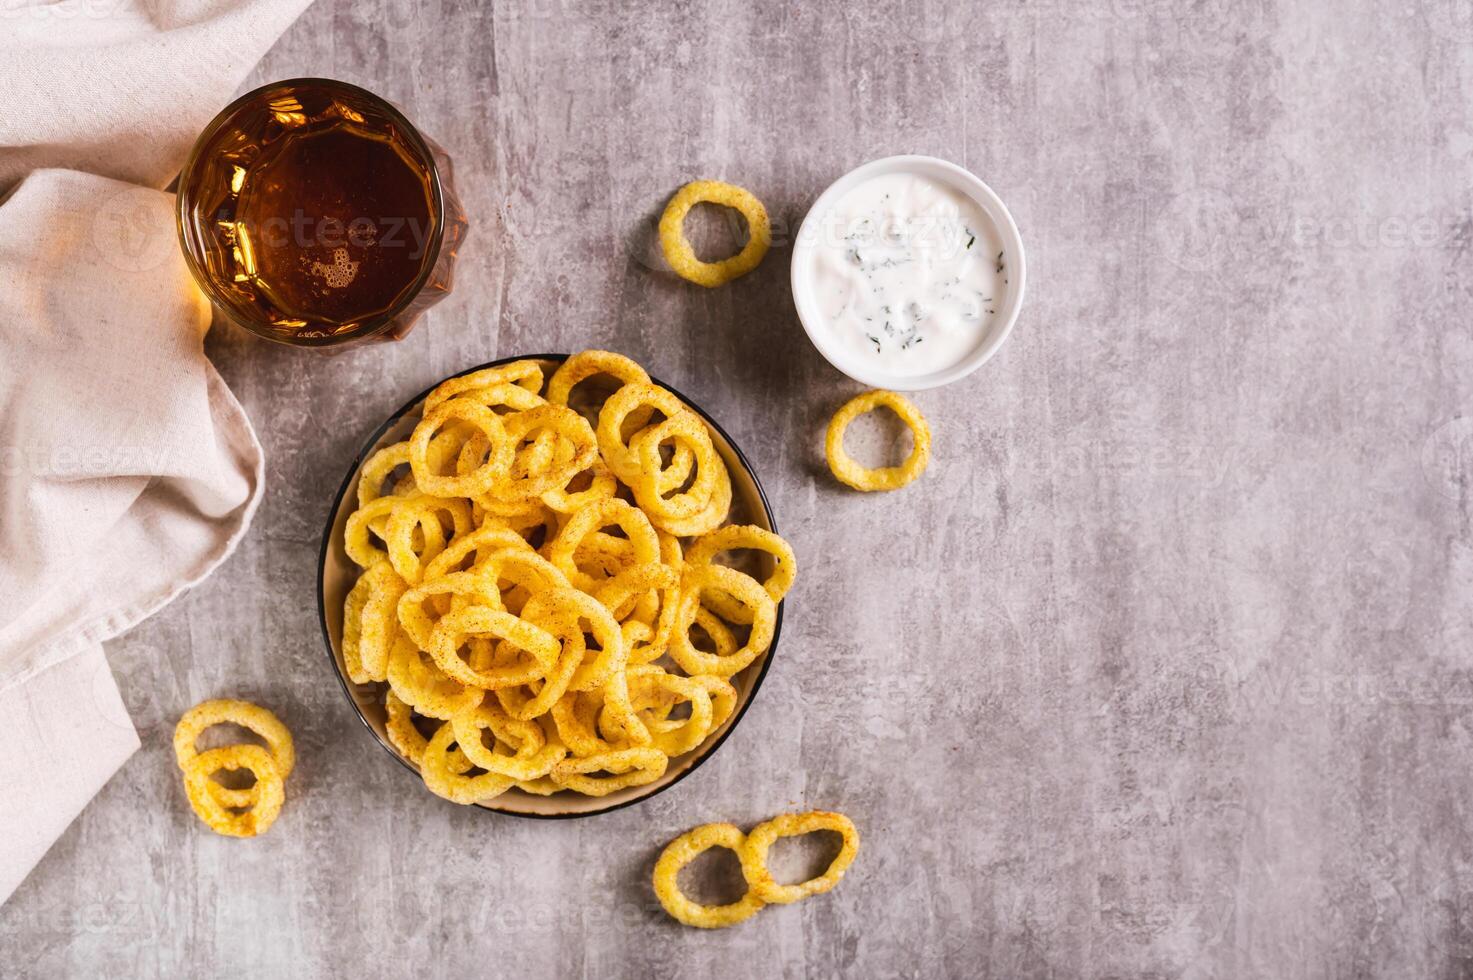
(682,851)
(677,247)
(525,609)
(753,854)
(847,471)
(267,793)
(751,850)
(213,802)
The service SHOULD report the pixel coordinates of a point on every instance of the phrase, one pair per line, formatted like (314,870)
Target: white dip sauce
(908,274)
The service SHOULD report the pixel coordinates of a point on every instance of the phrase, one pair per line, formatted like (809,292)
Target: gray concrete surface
(1162,671)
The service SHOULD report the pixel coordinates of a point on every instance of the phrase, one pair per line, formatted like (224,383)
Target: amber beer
(313,213)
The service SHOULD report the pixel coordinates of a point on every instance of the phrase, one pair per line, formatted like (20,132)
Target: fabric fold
(128,470)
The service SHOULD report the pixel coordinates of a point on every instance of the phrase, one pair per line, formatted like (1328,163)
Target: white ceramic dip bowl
(825,242)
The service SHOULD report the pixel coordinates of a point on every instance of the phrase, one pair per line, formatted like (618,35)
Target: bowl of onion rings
(550,586)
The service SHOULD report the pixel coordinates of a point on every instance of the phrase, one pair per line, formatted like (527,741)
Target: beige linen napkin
(127,469)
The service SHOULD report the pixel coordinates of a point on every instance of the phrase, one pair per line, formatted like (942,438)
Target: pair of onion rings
(677,247)
(271,765)
(847,471)
(229,711)
(751,850)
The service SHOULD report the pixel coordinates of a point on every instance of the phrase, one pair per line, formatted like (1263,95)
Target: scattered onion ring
(267,793)
(678,250)
(753,854)
(751,850)
(847,471)
(682,851)
(212,801)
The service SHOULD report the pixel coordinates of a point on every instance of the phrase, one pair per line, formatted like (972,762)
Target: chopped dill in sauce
(909,253)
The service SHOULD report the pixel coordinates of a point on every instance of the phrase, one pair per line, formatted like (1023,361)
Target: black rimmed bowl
(336,575)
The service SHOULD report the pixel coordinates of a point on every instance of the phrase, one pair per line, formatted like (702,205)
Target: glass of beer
(314,214)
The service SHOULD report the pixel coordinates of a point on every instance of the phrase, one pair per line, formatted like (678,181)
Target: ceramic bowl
(336,575)
(812,238)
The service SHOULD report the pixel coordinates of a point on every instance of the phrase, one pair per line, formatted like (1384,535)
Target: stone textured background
(1162,671)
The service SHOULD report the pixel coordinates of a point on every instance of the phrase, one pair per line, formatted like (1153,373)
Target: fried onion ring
(585,365)
(495,467)
(266,795)
(457,626)
(677,247)
(682,851)
(745,590)
(753,854)
(443,769)
(847,471)
(253,717)
(525,374)
(628,767)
